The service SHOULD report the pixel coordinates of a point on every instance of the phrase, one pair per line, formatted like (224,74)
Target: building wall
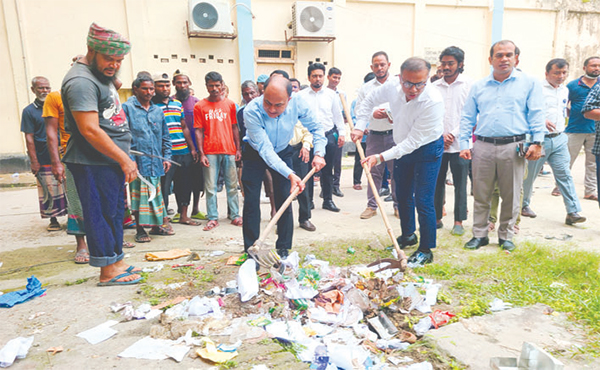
(39,37)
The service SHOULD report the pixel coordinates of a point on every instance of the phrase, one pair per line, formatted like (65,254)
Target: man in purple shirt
(182,84)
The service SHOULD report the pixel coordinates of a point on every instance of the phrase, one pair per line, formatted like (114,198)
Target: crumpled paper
(15,349)
(211,353)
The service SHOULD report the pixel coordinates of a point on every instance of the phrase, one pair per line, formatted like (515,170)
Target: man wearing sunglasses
(418,115)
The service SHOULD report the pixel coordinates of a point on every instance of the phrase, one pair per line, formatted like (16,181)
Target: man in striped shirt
(183,150)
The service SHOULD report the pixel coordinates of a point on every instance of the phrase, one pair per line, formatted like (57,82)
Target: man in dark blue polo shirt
(580,130)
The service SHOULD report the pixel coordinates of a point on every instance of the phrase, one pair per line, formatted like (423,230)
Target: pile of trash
(346,318)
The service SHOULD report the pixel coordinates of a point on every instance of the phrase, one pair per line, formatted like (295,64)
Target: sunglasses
(417,85)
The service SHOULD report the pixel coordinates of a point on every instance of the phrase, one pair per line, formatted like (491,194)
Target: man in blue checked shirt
(270,121)
(504,107)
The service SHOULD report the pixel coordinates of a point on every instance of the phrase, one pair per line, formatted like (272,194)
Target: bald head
(278,91)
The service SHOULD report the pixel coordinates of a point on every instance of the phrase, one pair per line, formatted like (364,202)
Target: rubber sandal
(128,244)
(199,216)
(176,217)
(162,231)
(238,221)
(131,269)
(142,238)
(189,223)
(54,227)
(211,225)
(82,253)
(114,281)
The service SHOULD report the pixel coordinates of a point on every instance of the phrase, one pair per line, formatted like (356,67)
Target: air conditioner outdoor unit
(313,19)
(210,16)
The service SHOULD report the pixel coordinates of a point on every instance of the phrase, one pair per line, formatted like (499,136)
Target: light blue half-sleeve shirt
(268,136)
(512,107)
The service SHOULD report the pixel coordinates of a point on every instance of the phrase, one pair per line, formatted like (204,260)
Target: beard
(592,75)
(101,76)
(182,95)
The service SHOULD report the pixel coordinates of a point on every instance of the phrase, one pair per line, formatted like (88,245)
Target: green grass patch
(566,281)
(76,282)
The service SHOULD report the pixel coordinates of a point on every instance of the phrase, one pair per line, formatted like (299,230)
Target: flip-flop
(176,217)
(54,227)
(211,225)
(163,231)
(114,281)
(128,244)
(189,222)
(199,216)
(131,269)
(82,253)
(142,238)
(238,221)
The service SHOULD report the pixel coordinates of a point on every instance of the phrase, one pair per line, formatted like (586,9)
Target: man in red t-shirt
(218,142)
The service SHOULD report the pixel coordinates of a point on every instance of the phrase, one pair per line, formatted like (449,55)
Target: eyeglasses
(417,85)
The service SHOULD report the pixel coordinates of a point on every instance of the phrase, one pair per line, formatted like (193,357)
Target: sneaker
(368,213)
(457,230)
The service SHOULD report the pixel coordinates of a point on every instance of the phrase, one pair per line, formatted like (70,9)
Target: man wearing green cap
(97,153)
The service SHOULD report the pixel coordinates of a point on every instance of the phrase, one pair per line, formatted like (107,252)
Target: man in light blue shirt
(504,107)
(270,121)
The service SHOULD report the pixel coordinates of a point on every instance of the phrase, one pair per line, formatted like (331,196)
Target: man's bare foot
(107,273)
(124,267)
(188,221)
(211,225)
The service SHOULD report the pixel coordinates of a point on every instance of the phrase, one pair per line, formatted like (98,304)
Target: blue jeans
(415,175)
(102,194)
(225,163)
(558,157)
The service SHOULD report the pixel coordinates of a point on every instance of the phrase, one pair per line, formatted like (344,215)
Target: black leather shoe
(308,226)
(337,192)
(407,241)
(283,253)
(330,206)
(574,218)
(389,198)
(528,212)
(507,245)
(477,243)
(420,258)
(439,224)
(383,192)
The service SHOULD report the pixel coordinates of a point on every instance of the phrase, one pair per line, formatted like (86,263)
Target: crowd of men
(130,157)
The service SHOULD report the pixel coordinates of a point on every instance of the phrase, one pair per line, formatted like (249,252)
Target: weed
(228,365)
(76,282)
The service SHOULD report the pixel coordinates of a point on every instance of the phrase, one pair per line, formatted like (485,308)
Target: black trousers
(358,170)
(179,176)
(327,171)
(252,177)
(301,170)
(460,171)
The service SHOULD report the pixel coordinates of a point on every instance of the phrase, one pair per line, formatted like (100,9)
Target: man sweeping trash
(270,121)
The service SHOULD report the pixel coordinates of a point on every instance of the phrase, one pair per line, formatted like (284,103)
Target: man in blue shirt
(503,107)
(150,136)
(270,121)
(580,130)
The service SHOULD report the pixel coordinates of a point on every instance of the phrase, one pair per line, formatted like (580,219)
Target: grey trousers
(499,163)
(377,144)
(576,141)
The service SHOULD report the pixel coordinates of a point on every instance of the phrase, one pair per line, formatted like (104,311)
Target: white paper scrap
(14,349)
(99,333)
(156,349)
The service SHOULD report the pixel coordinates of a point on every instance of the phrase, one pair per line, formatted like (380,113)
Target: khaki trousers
(501,164)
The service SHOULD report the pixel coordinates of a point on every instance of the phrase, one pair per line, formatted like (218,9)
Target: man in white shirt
(334,77)
(556,96)
(418,114)
(380,127)
(326,106)
(454,88)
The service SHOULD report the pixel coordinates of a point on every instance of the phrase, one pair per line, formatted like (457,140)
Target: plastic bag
(247,280)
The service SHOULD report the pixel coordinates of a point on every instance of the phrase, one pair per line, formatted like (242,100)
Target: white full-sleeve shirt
(416,123)
(374,124)
(555,103)
(326,105)
(455,95)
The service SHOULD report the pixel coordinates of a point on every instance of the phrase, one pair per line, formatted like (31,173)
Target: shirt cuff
(464,145)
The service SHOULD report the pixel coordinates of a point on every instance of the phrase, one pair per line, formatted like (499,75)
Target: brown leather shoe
(308,226)
(528,212)
(357,187)
(574,218)
(368,213)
